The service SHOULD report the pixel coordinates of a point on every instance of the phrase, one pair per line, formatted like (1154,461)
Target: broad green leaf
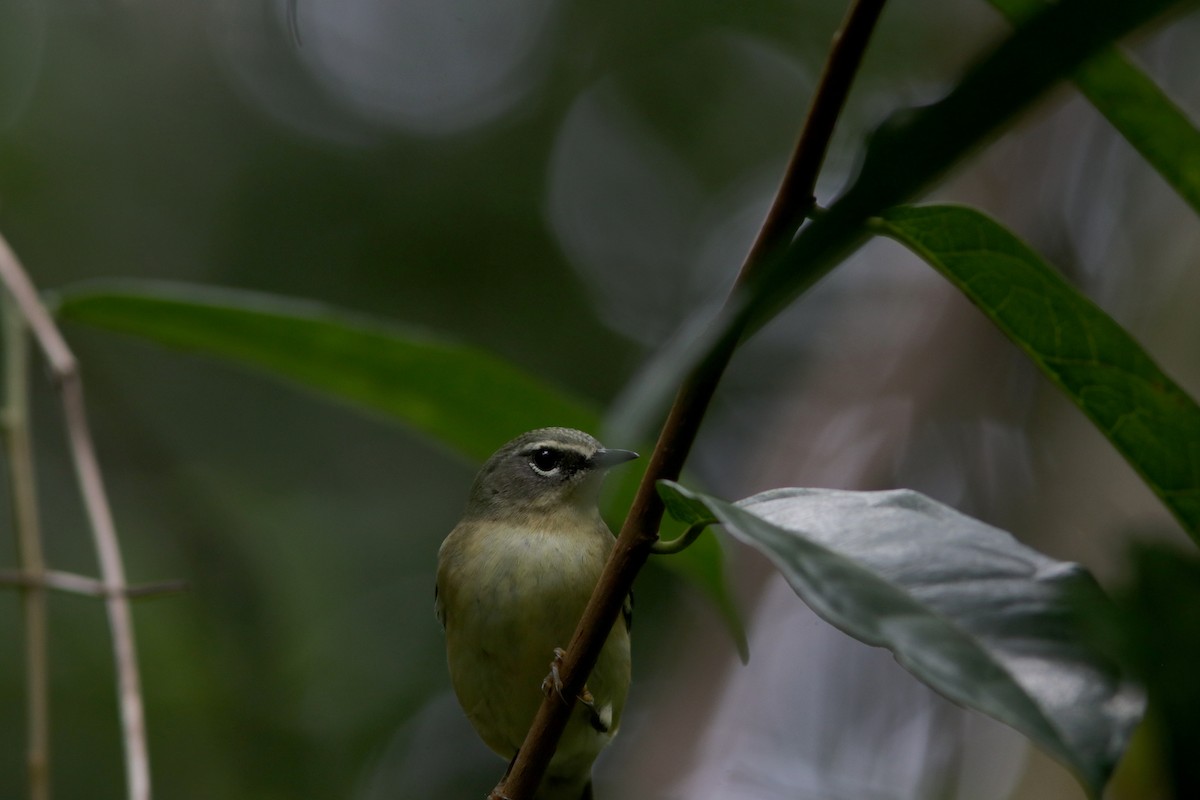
(963,606)
(906,156)
(458,395)
(1136,107)
(1147,417)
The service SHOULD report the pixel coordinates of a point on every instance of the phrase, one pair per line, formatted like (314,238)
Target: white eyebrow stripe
(550,444)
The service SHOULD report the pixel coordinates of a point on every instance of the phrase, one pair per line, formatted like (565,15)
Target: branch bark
(65,370)
(794,200)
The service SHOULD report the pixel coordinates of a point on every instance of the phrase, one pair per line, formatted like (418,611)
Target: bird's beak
(605,457)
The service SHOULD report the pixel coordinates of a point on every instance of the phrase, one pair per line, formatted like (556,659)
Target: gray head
(541,471)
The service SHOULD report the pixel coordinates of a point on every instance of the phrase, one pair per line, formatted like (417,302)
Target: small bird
(512,581)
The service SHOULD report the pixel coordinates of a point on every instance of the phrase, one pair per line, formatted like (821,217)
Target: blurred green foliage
(1155,628)
(457,396)
(200,143)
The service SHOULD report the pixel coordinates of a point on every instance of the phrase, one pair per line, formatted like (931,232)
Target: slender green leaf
(963,606)
(458,395)
(1147,417)
(905,157)
(1147,117)
(1136,107)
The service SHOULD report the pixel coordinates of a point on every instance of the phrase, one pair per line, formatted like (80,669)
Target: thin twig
(18,437)
(70,583)
(796,198)
(793,202)
(66,372)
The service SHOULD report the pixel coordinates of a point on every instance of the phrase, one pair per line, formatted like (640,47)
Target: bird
(513,578)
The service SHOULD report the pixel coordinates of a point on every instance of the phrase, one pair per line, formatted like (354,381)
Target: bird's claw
(553,681)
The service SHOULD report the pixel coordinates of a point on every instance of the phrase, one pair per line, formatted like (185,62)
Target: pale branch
(18,437)
(794,201)
(65,369)
(71,583)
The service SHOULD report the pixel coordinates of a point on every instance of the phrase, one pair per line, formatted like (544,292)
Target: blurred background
(560,183)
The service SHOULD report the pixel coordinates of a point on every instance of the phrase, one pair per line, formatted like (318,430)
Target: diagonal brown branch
(66,373)
(793,202)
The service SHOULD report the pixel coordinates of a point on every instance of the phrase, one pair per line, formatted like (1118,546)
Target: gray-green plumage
(513,579)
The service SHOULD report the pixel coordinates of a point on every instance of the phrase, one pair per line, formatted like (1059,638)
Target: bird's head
(541,471)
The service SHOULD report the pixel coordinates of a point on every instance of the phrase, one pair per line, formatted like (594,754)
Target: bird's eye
(545,461)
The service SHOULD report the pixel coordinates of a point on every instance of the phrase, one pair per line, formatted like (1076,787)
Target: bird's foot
(553,683)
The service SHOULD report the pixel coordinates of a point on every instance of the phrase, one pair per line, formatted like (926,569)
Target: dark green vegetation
(309,543)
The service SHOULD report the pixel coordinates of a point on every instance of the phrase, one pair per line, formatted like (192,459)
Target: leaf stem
(794,200)
(681,542)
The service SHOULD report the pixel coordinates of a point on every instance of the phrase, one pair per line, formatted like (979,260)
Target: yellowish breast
(511,594)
